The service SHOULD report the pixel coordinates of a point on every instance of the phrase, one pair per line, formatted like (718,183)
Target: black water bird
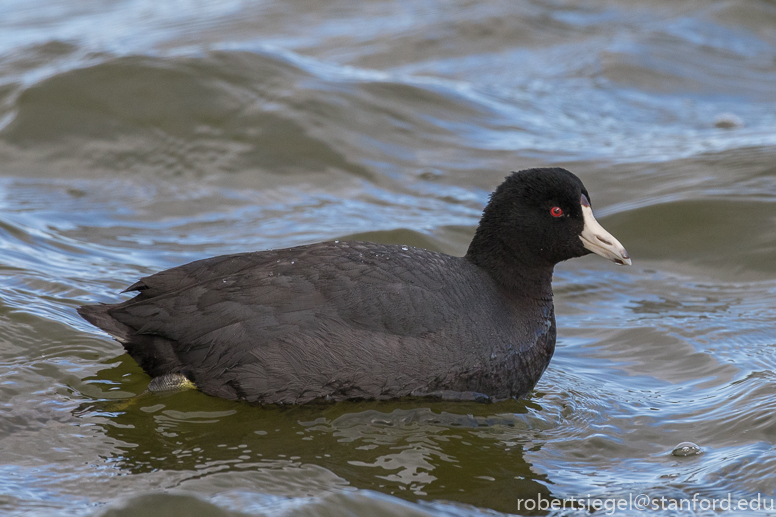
(359,320)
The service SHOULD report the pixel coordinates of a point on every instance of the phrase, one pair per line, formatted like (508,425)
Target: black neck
(509,268)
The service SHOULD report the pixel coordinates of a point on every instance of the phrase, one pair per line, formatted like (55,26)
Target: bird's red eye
(556,211)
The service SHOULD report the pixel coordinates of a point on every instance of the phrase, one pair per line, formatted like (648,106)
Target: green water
(135,136)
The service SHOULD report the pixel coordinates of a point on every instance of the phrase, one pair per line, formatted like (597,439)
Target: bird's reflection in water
(417,449)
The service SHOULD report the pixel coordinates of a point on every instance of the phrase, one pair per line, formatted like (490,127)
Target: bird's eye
(556,211)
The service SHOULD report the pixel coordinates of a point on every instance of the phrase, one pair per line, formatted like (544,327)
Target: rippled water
(139,135)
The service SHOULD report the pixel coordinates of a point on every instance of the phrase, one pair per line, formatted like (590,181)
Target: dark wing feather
(256,321)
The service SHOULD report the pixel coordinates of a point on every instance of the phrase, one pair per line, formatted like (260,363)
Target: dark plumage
(362,320)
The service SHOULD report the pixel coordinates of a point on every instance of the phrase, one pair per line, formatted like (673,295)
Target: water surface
(135,136)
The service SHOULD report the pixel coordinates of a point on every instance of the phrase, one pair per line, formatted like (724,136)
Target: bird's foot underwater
(170,382)
(164,384)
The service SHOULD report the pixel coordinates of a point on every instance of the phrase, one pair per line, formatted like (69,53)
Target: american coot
(355,320)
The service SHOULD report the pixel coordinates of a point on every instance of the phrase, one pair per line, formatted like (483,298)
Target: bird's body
(344,320)
(322,322)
